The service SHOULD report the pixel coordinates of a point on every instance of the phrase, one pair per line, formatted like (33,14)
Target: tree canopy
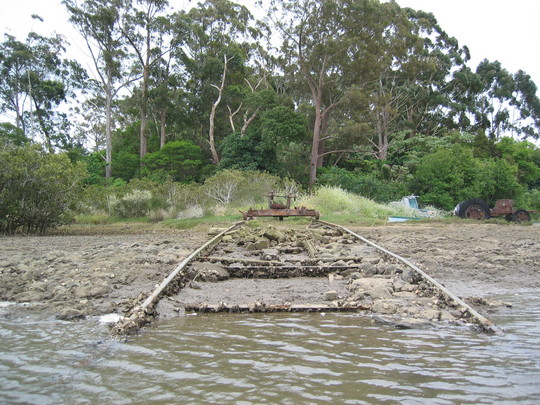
(361,93)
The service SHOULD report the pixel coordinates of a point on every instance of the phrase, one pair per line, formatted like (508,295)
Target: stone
(274,234)
(259,245)
(331,295)
(212,272)
(380,292)
(69,314)
(430,314)
(384,307)
(408,275)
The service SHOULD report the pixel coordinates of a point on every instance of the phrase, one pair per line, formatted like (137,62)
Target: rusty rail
(143,314)
(485,324)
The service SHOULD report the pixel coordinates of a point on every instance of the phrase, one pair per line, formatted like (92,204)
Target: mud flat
(71,277)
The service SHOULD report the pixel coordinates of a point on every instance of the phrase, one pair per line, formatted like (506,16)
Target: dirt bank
(75,276)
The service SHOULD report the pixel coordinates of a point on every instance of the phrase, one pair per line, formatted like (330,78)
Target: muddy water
(272,358)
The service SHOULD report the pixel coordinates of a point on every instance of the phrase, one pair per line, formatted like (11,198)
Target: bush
(136,203)
(38,190)
(367,185)
(446,177)
(239,187)
(181,160)
(334,200)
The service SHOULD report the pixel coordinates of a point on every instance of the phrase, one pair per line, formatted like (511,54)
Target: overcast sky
(503,30)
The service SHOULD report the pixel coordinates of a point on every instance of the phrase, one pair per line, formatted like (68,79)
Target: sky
(503,30)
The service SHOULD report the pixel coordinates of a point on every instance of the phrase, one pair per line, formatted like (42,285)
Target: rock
(215,231)
(259,245)
(331,295)
(430,314)
(69,314)
(446,316)
(29,296)
(368,269)
(99,291)
(209,271)
(380,292)
(376,288)
(411,323)
(384,307)
(408,275)
(274,234)
(270,254)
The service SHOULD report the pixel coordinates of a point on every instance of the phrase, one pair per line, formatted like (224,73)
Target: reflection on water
(272,358)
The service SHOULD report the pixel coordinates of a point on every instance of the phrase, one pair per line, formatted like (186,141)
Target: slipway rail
(485,324)
(143,313)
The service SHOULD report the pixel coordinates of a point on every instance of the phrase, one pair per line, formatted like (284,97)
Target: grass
(334,205)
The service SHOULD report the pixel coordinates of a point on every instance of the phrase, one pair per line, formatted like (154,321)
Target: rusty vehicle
(280,210)
(477,208)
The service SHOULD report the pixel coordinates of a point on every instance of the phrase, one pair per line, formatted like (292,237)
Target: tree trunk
(108,126)
(163,128)
(211,137)
(144,107)
(315,144)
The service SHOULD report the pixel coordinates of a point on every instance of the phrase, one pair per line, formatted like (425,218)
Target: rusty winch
(279,210)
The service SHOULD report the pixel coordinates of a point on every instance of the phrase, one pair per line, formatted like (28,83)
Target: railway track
(321,267)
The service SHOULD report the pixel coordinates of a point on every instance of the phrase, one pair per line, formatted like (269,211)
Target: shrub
(181,160)
(334,200)
(446,177)
(38,190)
(367,185)
(239,187)
(136,203)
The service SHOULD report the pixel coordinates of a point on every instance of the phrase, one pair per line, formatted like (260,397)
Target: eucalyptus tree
(34,82)
(216,47)
(416,91)
(507,103)
(146,29)
(333,48)
(99,22)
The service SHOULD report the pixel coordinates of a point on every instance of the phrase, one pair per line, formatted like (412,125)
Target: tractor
(479,209)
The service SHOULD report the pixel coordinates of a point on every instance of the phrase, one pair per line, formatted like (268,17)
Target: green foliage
(37,190)
(446,177)
(95,165)
(525,156)
(334,200)
(282,124)
(181,160)
(11,135)
(248,152)
(449,176)
(132,205)
(497,180)
(125,165)
(368,185)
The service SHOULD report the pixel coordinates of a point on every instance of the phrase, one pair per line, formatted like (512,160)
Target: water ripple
(272,358)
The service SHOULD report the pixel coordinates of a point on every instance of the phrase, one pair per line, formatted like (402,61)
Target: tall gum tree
(330,47)
(98,21)
(218,42)
(144,32)
(34,82)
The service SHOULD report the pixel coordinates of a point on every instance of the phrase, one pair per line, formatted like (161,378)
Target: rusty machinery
(278,210)
(479,209)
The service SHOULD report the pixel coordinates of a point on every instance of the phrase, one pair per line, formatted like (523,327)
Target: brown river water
(273,358)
